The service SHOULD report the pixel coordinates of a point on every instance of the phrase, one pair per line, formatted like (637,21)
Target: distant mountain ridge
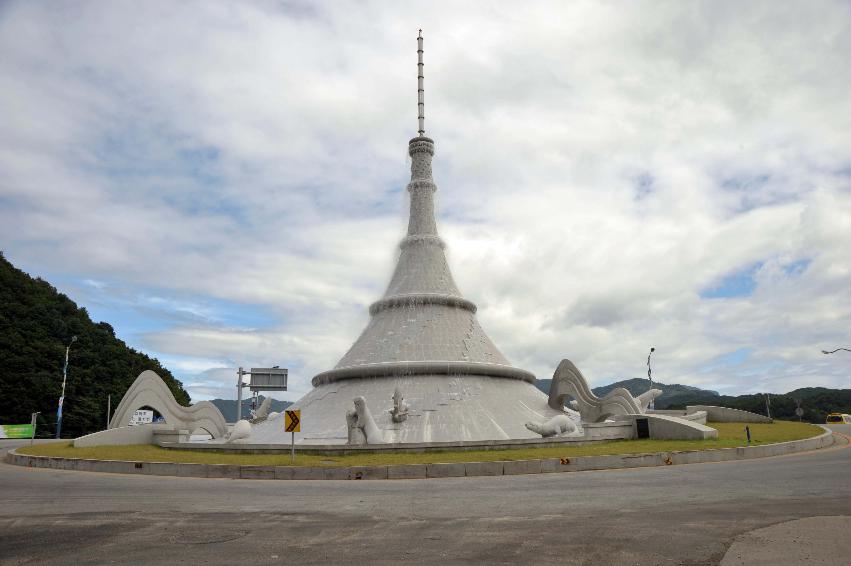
(637,386)
(670,393)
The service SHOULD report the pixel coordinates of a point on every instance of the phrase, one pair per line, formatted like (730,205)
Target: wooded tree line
(36,324)
(816,403)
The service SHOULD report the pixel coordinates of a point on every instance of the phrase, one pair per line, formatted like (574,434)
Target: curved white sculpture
(568,380)
(262,413)
(557,426)
(361,420)
(149,390)
(645,398)
(241,431)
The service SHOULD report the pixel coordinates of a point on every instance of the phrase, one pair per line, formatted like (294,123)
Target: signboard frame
(268,379)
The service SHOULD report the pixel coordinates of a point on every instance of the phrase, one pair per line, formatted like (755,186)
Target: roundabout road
(666,515)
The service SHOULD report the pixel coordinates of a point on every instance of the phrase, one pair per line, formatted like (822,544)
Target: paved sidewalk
(813,541)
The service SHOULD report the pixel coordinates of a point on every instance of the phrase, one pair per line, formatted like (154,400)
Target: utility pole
(239,385)
(767,406)
(62,398)
(108,408)
(34,422)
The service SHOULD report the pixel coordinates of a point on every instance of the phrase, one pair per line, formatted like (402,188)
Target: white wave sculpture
(241,432)
(263,412)
(645,398)
(149,390)
(569,381)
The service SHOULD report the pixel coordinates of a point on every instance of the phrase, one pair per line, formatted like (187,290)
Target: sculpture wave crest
(149,390)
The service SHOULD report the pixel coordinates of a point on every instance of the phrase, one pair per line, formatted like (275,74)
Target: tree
(36,324)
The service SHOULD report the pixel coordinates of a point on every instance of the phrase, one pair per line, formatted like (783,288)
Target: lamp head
(73,339)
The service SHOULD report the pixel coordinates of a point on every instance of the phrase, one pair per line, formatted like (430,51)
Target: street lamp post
(62,398)
(650,377)
(34,423)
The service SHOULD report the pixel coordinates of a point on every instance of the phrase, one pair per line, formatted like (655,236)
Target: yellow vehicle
(838,418)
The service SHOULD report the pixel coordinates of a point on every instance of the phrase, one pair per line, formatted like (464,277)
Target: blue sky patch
(643,185)
(797,267)
(734,358)
(740,283)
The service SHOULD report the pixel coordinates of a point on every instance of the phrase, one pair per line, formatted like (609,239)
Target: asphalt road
(667,515)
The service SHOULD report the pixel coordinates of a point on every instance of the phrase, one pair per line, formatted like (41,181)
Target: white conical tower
(422,324)
(422,340)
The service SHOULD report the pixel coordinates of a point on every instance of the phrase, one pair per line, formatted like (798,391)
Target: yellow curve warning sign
(292,421)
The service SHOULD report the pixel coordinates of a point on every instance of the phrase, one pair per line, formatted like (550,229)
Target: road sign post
(292,424)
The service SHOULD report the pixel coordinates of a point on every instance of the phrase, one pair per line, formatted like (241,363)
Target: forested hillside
(36,324)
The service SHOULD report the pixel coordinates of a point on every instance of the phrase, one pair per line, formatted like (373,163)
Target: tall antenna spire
(420,90)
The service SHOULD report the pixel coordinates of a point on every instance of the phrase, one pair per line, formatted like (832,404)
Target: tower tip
(420,90)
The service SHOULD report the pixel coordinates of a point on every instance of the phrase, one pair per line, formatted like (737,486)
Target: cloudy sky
(224,182)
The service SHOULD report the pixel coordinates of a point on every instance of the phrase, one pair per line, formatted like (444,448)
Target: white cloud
(600,165)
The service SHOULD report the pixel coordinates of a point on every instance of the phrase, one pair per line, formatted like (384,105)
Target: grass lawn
(729,435)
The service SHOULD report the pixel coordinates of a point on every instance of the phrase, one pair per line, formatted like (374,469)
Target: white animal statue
(559,425)
(399,412)
(361,419)
(356,435)
(241,431)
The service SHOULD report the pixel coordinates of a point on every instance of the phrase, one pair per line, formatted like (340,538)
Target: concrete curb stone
(445,471)
(407,472)
(368,473)
(230,471)
(157,468)
(193,470)
(483,468)
(515,467)
(308,473)
(257,472)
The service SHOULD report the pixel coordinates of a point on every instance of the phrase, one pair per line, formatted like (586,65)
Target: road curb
(422,471)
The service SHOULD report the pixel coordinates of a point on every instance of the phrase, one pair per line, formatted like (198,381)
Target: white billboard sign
(141,417)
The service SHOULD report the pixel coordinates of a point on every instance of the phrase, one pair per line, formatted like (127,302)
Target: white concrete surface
(728,415)
(815,541)
(665,427)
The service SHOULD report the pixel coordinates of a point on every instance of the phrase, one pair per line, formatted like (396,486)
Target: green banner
(16,431)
